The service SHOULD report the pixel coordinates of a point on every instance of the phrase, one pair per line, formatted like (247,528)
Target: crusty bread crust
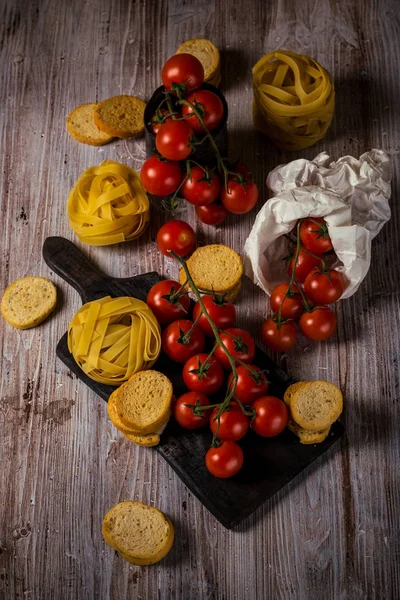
(121,116)
(81,126)
(308,437)
(317,405)
(28,301)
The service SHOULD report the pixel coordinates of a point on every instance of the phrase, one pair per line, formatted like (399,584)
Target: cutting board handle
(65,259)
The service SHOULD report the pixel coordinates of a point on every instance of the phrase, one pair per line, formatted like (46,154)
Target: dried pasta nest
(294,99)
(108,205)
(113,338)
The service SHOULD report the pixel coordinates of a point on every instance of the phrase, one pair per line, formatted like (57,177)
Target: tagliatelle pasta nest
(294,99)
(108,205)
(113,338)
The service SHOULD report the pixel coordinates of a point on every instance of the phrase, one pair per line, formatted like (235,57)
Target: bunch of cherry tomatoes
(247,403)
(183,120)
(312,286)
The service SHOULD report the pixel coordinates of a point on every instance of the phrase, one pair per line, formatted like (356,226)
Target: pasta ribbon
(108,205)
(113,338)
(293,99)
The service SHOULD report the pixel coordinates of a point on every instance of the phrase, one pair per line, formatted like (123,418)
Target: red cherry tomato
(319,324)
(173,140)
(240,345)
(224,461)
(280,339)
(211,107)
(160,177)
(184,69)
(178,346)
(212,214)
(251,383)
(202,375)
(324,287)
(292,305)
(201,187)
(271,418)
(177,236)
(166,305)
(234,424)
(241,197)
(158,120)
(314,235)
(221,311)
(305,264)
(185,416)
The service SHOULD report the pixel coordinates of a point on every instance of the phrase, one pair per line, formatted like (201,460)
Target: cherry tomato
(241,197)
(241,346)
(184,415)
(166,305)
(160,177)
(280,339)
(212,214)
(225,461)
(177,345)
(202,375)
(173,140)
(211,108)
(314,235)
(221,311)
(305,264)
(234,424)
(201,187)
(250,385)
(158,120)
(184,69)
(324,287)
(177,236)
(292,305)
(319,324)
(271,418)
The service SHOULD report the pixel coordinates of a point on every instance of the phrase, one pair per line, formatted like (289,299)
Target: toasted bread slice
(140,533)
(81,126)
(206,52)
(291,390)
(121,116)
(115,419)
(308,437)
(148,440)
(317,405)
(28,301)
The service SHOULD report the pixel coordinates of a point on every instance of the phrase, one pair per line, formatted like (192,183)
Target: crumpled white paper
(353,197)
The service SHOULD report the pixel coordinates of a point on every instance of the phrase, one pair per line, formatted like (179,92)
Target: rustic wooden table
(333,533)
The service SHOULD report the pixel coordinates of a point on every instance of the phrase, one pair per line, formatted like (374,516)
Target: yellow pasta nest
(113,338)
(294,99)
(108,205)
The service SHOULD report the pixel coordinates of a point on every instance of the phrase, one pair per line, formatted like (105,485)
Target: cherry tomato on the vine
(184,69)
(210,107)
(178,345)
(314,235)
(184,414)
(177,236)
(240,345)
(241,196)
(324,287)
(319,324)
(234,424)
(305,264)
(202,373)
(225,461)
(278,339)
(166,304)
(212,214)
(160,177)
(173,140)
(292,305)
(221,311)
(271,418)
(251,383)
(158,119)
(201,187)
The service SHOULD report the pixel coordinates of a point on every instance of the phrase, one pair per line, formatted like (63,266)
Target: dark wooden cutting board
(269,465)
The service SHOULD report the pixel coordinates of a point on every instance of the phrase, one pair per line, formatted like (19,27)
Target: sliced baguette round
(28,301)
(142,534)
(81,126)
(317,405)
(206,52)
(121,116)
(148,440)
(308,437)
(115,419)
(291,390)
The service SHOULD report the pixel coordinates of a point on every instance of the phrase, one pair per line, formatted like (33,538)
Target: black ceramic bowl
(204,153)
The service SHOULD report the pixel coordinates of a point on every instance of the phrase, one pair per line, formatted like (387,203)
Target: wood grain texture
(335,532)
